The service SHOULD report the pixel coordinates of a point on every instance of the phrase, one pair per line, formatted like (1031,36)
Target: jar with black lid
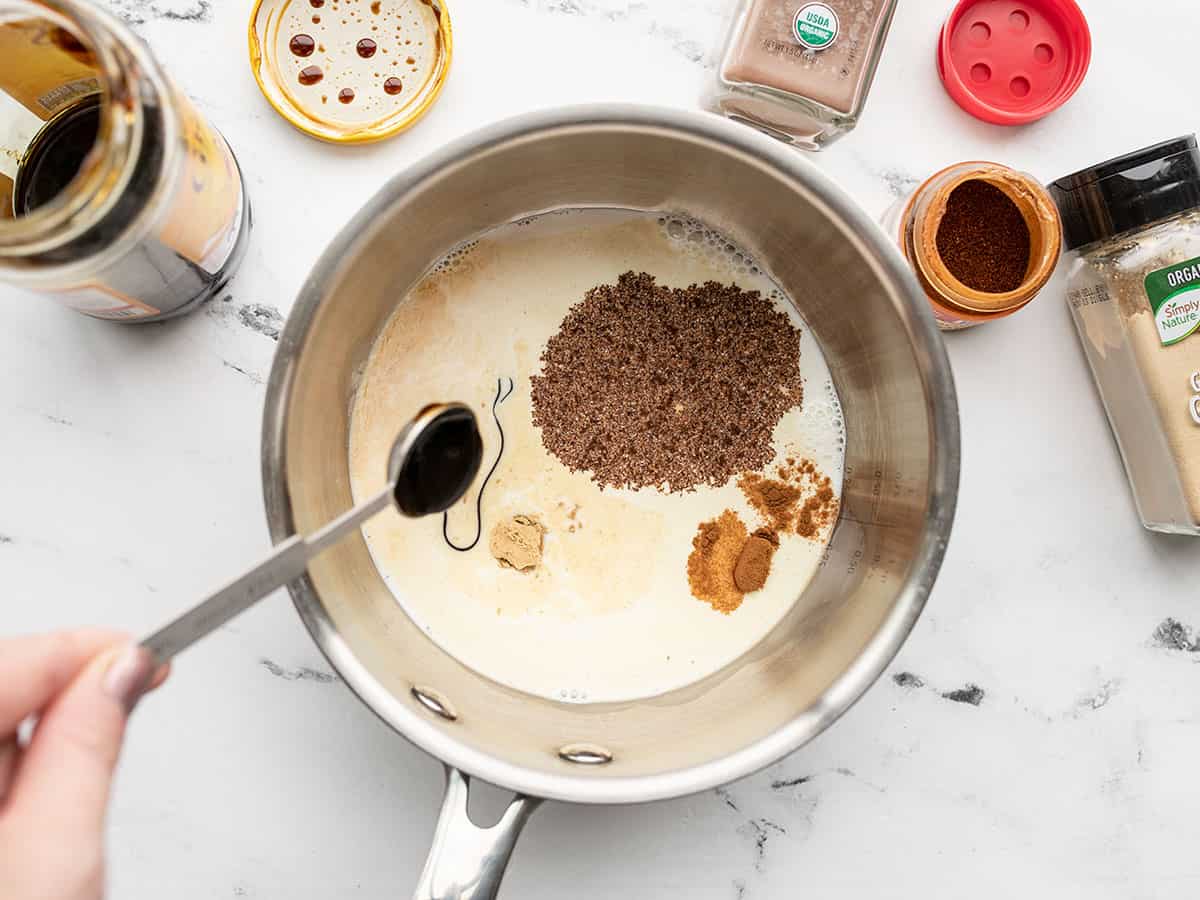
(1132,229)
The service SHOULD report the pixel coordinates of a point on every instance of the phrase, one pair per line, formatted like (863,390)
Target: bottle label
(102,302)
(816,26)
(947,322)
(204,219)
(1174,295)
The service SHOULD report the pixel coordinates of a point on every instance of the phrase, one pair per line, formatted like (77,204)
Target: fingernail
(129,675)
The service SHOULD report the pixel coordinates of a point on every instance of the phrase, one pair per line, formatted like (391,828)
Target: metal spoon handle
(287,562)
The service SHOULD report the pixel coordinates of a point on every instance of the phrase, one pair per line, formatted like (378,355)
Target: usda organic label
(816,26)
(1174,295)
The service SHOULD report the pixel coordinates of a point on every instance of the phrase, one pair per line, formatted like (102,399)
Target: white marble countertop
(1039,733)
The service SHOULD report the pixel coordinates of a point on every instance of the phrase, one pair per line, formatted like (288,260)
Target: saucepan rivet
(585,754)
(434,702)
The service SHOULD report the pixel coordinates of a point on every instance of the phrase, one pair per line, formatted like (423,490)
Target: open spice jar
(117,198)
(800,71)
(982,239)
(1132,227)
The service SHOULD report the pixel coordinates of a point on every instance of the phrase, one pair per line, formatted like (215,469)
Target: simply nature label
(1174,295)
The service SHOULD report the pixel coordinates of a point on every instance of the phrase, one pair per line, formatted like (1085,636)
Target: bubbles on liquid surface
(455,258)
(696,239)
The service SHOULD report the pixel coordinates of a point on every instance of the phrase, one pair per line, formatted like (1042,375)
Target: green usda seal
(816,26)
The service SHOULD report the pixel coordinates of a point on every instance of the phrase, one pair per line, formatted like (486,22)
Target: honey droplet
(375,7)
(365,48)
(316,20)
(316,4)
(302,45)
(393,86)
(346,95)
(410,60)
(311,75)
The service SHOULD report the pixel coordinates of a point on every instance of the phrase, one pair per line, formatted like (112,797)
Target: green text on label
(1174,295)
(816,26)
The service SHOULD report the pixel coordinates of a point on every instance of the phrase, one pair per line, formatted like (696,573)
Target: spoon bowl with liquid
(433,461)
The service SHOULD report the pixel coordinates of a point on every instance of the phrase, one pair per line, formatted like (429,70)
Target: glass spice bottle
(982,239)
(801,71)
(116,197)
(1132,228)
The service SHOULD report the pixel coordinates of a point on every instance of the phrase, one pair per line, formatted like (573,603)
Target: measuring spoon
(432,463)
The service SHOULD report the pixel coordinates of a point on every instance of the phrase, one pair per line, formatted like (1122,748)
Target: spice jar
(801,71)
(1132,228)
(982,239)
(116,197)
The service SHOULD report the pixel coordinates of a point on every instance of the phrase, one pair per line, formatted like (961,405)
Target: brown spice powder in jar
(983,239)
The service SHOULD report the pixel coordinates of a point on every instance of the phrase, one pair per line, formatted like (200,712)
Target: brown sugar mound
(716,549)
(649,386)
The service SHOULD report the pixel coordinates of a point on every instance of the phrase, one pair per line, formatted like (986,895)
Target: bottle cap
(1129,192)
(1011,62)
(350,71)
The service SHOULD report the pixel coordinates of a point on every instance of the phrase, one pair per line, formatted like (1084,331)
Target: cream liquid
(608,615)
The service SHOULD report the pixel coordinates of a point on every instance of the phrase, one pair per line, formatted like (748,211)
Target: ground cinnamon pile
(727,562)
(818,511)
(800,501)
(754,562)
(716,549)
(821,505)
(649,386)
(775,501)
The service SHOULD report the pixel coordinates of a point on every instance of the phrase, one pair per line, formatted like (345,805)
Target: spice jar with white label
(800,71)
(117,198)
(1132,227)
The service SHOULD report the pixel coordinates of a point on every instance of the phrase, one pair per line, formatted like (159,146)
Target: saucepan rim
(940,401)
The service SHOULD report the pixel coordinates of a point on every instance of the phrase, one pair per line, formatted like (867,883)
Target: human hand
(54,790)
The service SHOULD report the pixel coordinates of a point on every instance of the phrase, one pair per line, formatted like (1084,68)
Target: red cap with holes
(1010,62)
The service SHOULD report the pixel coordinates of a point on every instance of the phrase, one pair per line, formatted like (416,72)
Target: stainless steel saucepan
(902,460)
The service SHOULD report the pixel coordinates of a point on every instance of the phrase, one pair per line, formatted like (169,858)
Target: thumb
(62,786)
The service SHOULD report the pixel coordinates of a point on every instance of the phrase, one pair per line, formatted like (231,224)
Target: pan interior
(899,477)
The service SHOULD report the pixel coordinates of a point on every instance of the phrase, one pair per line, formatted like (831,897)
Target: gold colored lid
(350,71)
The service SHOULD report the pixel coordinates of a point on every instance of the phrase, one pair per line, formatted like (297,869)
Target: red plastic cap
(1010,62)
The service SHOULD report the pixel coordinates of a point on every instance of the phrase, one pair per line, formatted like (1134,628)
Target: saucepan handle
(467,862)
